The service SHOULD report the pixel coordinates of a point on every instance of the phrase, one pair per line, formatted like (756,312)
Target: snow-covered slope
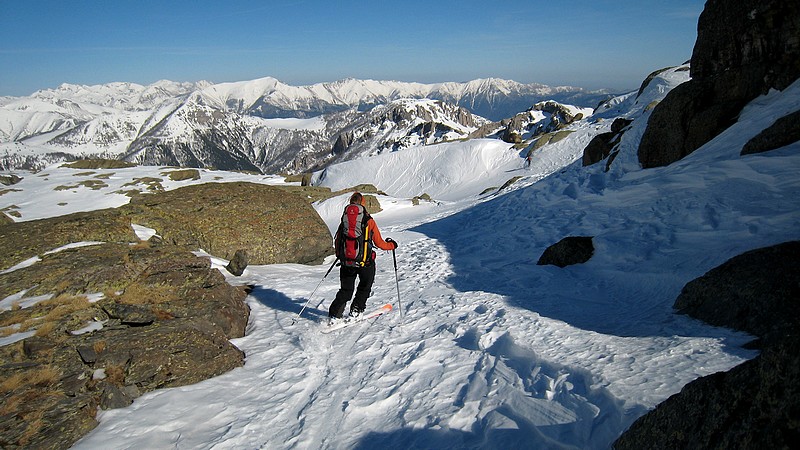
(491,350)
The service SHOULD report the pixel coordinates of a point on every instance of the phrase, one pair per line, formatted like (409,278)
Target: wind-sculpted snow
(491,350)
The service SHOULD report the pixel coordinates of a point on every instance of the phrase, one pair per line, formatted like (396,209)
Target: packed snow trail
(460,371)
(494,351)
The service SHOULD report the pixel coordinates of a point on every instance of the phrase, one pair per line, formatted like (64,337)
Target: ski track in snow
(492,351)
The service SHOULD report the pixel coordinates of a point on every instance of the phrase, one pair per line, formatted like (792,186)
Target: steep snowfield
(491,350)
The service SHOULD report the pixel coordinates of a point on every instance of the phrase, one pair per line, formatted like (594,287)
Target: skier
(353,243)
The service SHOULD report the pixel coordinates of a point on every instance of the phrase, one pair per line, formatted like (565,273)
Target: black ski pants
(347,278)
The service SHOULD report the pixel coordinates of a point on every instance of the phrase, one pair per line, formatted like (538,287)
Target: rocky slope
(94,317)
(743,49)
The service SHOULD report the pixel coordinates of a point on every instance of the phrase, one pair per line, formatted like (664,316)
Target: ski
(346,323)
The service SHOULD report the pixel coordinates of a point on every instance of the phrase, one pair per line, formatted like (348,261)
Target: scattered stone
(238,263)
(568,251)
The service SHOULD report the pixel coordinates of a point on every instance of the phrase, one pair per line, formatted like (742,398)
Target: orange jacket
(377,239)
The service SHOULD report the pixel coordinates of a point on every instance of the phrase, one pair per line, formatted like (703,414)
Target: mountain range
(261,125)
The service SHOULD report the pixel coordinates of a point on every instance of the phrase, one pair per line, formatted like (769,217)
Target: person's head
(357,199)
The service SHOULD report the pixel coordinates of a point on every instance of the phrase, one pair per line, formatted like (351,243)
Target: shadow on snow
(280,301)
(494,246)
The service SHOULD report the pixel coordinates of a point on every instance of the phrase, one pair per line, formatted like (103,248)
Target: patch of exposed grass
(11,210)
(91,184)
(146,294)
(40,376)
(115,374)
(6,191)
(183,174)
(45,316)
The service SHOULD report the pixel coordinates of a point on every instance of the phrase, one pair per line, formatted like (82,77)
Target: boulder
(272,225)
(755,404)
(598,148)
(757,292)
(743,49)
(238,263)
(568,251)
(784,131)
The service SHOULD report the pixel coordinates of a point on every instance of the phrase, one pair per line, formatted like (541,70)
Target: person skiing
(354,242)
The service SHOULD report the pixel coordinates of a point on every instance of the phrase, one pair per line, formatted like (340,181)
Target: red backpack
(353,242)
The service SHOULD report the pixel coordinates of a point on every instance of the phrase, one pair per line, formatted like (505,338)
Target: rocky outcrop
(164,318)
(159,316)
(743,49)
(271,224)
(755,404)
(601,146)
(568,251)
(757,292)
(8,180)
(22,240)
(784,131)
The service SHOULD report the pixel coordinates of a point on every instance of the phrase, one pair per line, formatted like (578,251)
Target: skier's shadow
(280,301)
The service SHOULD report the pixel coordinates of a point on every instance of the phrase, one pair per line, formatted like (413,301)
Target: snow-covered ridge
(200,123)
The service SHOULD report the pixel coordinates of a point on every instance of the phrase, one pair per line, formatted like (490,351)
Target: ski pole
(314,291)
(397,282)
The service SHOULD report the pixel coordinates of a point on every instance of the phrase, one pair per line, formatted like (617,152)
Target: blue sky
(590,44)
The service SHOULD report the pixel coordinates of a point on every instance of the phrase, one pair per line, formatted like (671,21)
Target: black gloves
(391,241)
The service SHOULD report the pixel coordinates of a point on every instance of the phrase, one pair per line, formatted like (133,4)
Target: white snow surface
(485,349)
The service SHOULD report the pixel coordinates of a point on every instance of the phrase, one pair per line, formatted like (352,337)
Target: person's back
(354,243)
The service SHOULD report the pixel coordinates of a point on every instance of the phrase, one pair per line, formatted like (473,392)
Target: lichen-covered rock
(166,319)
(22,240)
(272,225)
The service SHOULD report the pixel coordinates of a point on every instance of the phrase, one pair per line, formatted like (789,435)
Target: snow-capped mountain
(232,125)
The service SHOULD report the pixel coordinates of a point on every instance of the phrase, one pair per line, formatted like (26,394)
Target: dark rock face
(602,145)
(784,131)
(568,251)
(272,225)
(743,49)
(756,404)
(753,406)
(757,292)
(598,148)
